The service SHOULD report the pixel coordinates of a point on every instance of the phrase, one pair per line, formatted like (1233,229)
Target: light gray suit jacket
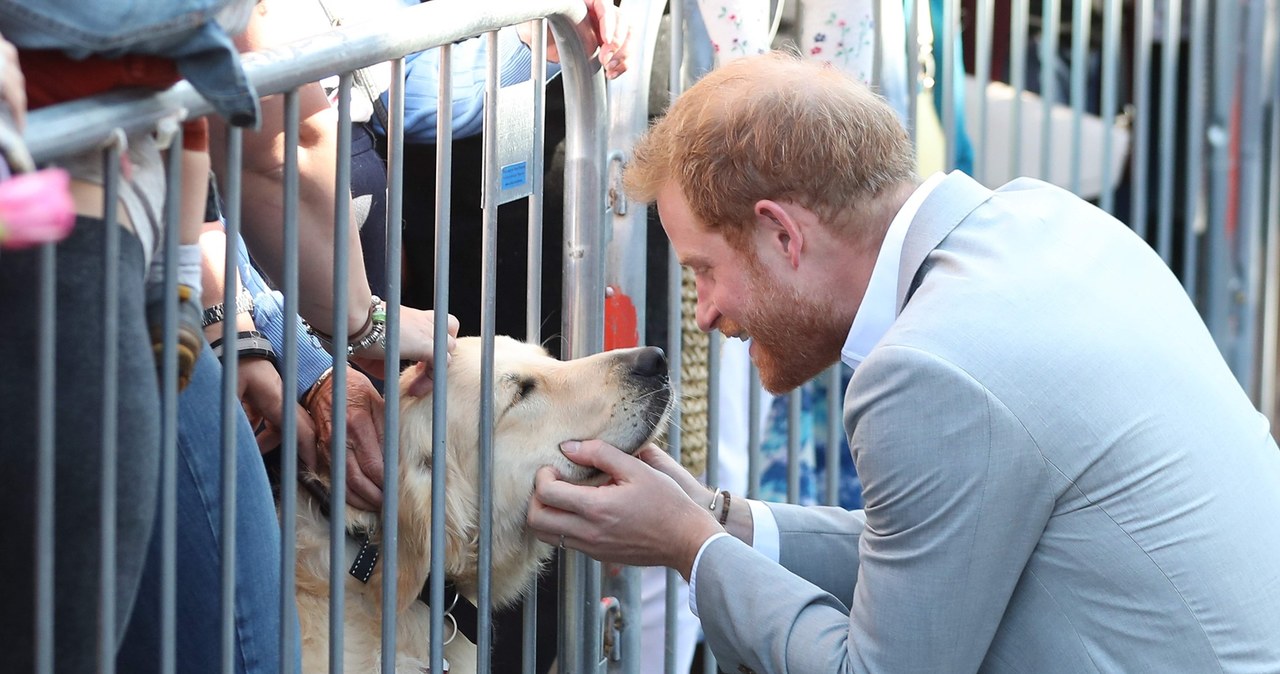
(1060,473)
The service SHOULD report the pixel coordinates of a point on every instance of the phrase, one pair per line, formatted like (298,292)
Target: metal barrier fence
(1214,221)
(104,122)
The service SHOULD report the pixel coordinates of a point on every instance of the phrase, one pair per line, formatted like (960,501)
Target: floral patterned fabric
(841,33)
(812,453)
(736,28)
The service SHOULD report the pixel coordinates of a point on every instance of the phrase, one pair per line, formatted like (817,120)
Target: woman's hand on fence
(611,30)
(605,31)
(365,434)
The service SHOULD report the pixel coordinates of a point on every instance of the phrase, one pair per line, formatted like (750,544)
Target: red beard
(795,337)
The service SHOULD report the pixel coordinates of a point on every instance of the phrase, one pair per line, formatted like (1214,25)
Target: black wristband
(258,352)
(249,344)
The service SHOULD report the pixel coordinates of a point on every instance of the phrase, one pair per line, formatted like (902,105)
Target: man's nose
(707,314)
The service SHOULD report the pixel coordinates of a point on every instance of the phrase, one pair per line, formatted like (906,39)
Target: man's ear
(779,230)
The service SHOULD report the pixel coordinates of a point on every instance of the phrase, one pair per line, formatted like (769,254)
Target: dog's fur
(620,396)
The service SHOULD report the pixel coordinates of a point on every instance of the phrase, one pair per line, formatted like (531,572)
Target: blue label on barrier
(514,175)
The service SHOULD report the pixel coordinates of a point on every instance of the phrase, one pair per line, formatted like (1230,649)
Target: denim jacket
(194,33)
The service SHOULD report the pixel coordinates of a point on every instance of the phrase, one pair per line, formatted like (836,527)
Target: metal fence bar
(674,348)
(488,312)
(1080,23)
(1271,295)
(675,85)
(1193,191)
(753,431)
(533,281)
(793,445)
(1110,94)
(168,503)
(440,376)
(46,387)
(626,274)
(1222,285)
(533,277)
(391,392)
(110,408)
(713,446)
(947,80)
(877,48)
(835,431)
(583,319)
(338,468)
(1251,195)
(1142,121)
(289,385)
(914,50)
(982,73)
(1049,25)
(1019,20)
(1168,118)
(714,343)
(230,401)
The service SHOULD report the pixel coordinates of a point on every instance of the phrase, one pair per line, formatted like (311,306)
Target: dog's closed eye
(521,386)
(526,388)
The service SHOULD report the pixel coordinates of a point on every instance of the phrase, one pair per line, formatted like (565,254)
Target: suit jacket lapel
(950,203)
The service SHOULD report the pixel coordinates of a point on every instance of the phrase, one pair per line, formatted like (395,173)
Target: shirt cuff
(693,573)
(269,318)
(765,537)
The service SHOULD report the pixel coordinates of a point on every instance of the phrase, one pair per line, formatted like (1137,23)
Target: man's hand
(365,434)
(662,461)
(643,517)
(261,394)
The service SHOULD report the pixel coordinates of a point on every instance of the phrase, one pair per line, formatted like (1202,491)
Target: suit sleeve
(956,496)
(820,544)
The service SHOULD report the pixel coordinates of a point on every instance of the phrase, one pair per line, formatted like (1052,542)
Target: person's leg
(78,433)
(199,550)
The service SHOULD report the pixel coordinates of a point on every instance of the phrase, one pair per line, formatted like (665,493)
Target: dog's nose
(650,362)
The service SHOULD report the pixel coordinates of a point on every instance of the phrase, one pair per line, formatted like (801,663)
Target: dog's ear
(423,381)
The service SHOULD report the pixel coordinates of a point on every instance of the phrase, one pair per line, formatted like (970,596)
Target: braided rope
(693,377)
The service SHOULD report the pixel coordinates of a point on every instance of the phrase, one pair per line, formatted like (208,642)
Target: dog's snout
(650,362)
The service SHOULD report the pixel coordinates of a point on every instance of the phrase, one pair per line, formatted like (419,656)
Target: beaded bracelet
(373,332)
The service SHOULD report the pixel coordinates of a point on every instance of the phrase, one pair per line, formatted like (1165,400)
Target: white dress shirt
(876,313)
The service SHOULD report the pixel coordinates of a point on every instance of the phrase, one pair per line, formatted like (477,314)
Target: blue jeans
(199,516)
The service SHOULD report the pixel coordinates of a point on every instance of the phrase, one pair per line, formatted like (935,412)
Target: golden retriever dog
(619,396)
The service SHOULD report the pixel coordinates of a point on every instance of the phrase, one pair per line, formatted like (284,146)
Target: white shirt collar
(879,308)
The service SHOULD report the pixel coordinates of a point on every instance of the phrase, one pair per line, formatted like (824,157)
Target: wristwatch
(217,312)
